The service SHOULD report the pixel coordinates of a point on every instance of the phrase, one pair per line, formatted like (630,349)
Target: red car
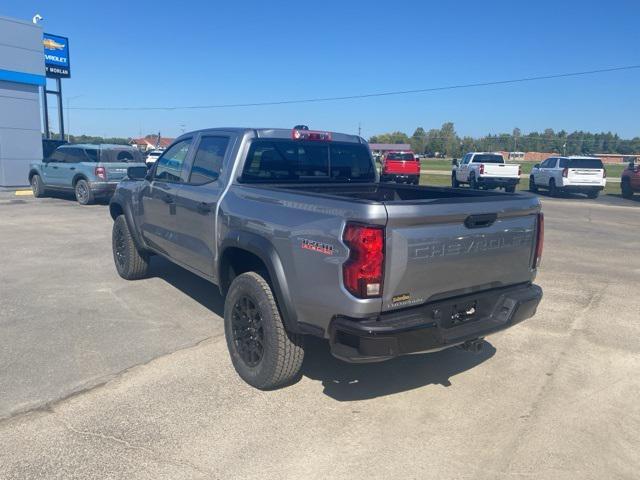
(630,179)
(400,166)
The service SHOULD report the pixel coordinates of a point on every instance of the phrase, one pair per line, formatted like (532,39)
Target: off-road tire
(625,187)
(131,262)
(37,187)
(282,352)
(532,184)
(83,192)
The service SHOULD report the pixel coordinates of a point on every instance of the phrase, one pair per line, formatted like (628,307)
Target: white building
(21,75)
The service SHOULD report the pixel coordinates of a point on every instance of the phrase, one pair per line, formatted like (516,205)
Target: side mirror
(137,173)
(537,165)
(455,162)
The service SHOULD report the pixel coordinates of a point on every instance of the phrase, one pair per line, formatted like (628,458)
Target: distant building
(150,142)
(616,157)
(538,157)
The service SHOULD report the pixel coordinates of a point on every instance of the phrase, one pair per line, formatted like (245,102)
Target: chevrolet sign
(56,56)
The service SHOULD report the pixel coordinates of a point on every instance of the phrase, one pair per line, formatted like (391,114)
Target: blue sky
(146,53)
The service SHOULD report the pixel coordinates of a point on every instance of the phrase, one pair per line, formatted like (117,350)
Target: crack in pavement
(48,407)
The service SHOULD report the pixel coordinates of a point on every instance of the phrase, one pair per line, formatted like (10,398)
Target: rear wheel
(131,262)
(532,184)
(510,189)
(263,353)
(625,186)
(84,195)
(553,190)
(593,194)
(473,183)
(37,187)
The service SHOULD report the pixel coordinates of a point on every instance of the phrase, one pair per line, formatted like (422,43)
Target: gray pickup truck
(302,239)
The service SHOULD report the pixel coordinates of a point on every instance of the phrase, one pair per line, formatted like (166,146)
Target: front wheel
(263,353)
(454,181)
(37,186)
(84,195)
(627,191)
(131,262)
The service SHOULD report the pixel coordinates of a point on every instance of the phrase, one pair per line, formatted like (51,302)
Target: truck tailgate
(501,170)
(450,249)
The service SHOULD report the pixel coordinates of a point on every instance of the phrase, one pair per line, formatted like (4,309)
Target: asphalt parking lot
(103,378)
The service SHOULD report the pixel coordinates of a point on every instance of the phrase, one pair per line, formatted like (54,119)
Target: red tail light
(565,172)
(539,241)
(481,168)
(363,271)
(101,173)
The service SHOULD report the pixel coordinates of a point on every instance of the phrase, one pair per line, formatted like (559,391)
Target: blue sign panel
(56,56)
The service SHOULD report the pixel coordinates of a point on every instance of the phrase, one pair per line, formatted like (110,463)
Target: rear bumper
(434,326)
(399,177)
(103,188)
(582,188)
(498,181)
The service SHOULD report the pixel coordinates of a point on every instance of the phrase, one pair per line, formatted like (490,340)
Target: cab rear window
(488,158)
(296,161)
(401,156)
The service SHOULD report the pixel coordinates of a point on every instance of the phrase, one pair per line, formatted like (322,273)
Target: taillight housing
(299,134)
(363,271)
(481,168)
(537,258)
(565,172)
(101,173)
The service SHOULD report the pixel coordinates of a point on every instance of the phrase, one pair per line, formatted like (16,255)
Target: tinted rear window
(401,156)
(581,163)
(120,156)
(488,158)
(294,161)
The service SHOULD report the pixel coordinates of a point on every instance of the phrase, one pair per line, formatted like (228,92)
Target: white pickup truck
(485,169)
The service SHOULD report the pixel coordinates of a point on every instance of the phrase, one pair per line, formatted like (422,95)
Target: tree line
(445,140)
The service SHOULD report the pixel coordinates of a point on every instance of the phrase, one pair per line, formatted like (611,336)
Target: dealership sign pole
(57,65)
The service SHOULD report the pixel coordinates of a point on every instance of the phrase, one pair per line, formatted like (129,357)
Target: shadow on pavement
(348,382)
(635,200)
(202,291)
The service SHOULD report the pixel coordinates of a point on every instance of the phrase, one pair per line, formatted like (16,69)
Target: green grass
(444,164)
(445,181)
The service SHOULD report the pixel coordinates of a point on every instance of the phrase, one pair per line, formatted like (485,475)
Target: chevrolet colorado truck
(301,238)
(485,170)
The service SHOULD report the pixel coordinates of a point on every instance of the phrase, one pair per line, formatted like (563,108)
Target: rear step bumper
(498,181)
(433,326)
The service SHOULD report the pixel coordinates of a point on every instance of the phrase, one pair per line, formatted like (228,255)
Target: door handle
(55,167)
(72,168)
(204,208)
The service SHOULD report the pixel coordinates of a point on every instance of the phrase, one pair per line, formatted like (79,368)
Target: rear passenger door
(197,199)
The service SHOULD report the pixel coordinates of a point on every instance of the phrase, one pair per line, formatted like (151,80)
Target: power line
(372,95)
